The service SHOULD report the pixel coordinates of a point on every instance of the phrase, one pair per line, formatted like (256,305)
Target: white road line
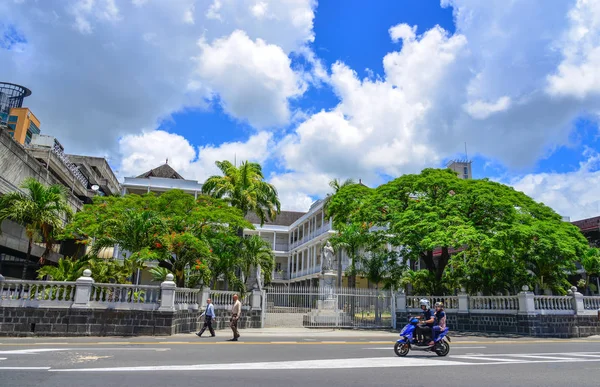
(24,368)
(33,351)
(453,348)
(485,358)
(537,357)
(584,354)
(377,362)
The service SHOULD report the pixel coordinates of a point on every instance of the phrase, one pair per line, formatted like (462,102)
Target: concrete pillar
(256,300)
(463,301)
(204,295)
(83,290)
(274,240)
(526,301)
(167,295)
(400,303)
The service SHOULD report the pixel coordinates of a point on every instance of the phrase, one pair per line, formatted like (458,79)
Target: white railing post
(400,302)
(255,302)
(205,295)
(167,294)
(83,290)
(578,305)
(526,301)
(463,301)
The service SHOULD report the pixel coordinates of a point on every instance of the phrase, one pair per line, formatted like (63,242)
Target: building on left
(26,152)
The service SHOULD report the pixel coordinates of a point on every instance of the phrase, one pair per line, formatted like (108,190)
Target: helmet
(424,302)
(441,305)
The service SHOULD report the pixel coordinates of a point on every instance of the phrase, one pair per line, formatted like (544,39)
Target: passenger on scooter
(427,319)
(440,321)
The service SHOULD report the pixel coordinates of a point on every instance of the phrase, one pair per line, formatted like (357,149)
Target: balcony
(305,272)
(320,231)
(281,247)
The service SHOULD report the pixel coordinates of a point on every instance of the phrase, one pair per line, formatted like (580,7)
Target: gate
(313,307)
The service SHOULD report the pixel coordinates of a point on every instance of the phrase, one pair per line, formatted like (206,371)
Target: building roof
(285,218)
(164,171)
(588,224)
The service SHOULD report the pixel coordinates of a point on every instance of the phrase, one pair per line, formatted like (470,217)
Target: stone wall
(17,321)
(561,326)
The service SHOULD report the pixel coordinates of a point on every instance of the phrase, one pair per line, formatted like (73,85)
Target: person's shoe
(198,334)
(431,343)
(212,335)
(234,339)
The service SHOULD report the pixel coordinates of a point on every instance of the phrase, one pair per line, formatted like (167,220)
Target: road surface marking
(539,357)
(486,358)
(585,354)
(381,362)
(33,351)
(24,368)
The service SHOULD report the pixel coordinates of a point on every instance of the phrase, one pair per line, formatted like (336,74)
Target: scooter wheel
(442,348)
(401,349)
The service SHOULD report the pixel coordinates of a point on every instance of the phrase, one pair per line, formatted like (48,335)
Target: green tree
(66,269)
(474,233)
(244,188)
(257,254)
(591,265)
(40,209)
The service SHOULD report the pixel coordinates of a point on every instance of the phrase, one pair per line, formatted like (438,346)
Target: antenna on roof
(167,161)
(466,154)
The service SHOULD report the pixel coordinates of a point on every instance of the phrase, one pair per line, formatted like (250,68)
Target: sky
(314,90)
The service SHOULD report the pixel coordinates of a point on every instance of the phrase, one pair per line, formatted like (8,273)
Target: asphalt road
(313,360)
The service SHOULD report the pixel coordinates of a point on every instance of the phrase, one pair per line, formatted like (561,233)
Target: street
(336,359)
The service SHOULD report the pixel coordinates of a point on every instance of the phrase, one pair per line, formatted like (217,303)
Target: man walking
(236,311)
(209,316)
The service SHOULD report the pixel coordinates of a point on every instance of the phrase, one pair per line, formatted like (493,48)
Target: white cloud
(481,110)
(253,79)
(573,194)
(141,152)
(259,10)
(298,190)
(102,69)
(577,74)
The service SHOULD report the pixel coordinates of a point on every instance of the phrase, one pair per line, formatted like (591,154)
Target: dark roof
(588,224)
(285,218)
(164,171)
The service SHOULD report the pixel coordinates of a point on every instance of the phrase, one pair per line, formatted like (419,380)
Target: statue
(328,257)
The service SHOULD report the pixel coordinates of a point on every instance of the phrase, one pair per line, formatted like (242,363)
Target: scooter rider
(428,318)
(440,321)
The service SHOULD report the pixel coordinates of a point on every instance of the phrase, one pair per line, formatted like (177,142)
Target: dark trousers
(207,324)
(422,332)
(233,326)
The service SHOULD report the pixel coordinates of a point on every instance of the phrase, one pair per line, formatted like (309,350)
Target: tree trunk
(26,265)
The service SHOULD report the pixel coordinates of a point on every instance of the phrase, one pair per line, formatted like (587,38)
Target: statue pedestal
(327,312)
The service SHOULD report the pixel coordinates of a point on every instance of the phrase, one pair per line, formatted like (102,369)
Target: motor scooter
(407,341)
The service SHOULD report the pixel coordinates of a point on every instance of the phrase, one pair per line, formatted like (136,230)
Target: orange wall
(25,117)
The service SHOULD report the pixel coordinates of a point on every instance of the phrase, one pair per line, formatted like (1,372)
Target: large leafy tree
(41,209)
(479,234)
(174,229)
(244,188)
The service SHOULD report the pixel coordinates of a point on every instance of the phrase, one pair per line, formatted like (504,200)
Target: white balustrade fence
(187,299)
(450,302)
(493,304)
(36,293)
(554,304)
(125,296)
(591,303)
(223,299)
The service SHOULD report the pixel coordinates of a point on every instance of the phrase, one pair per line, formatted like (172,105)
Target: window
(34,129)
(13,118)
(278,266)
(466,171)
(12,134)
(12,126)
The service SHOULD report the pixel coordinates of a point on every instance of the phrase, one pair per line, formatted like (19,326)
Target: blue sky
(321,90)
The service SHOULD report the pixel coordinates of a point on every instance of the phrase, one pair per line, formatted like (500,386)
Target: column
(289,266)
(274,240)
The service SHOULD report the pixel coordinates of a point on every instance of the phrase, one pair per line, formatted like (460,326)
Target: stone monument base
(327,312)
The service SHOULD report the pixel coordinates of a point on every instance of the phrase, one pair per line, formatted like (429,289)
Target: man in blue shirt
(209,316)
(427,319)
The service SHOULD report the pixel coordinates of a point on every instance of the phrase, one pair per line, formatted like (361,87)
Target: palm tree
(65,270)
(256,253)
(40,209)
(336,185)
(244,188)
